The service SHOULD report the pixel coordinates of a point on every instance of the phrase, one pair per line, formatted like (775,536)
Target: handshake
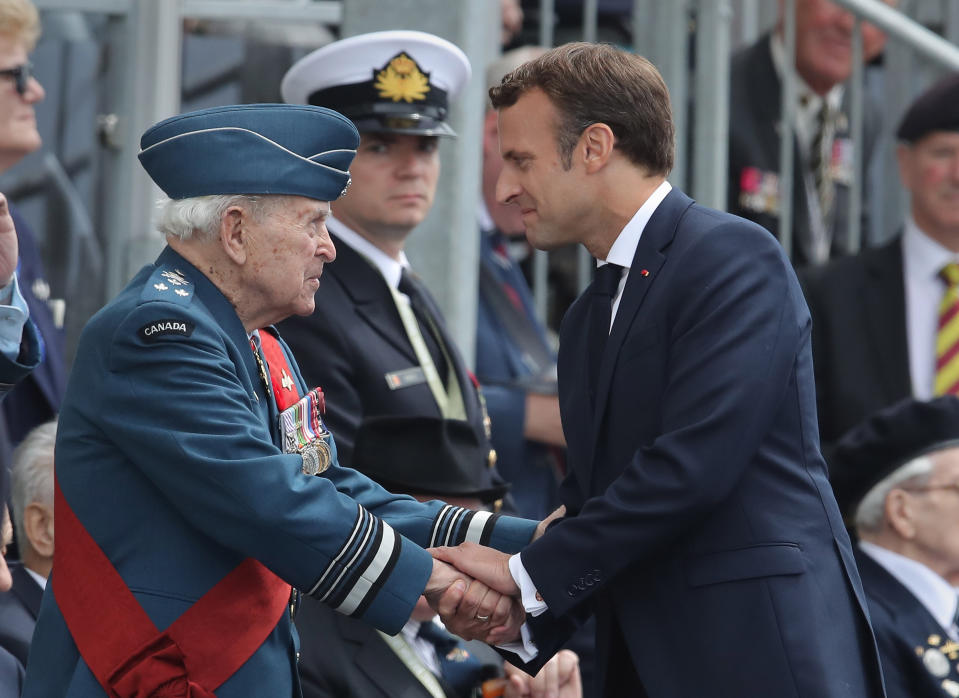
(474,593)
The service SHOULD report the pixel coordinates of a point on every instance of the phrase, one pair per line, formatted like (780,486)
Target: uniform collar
(390,268)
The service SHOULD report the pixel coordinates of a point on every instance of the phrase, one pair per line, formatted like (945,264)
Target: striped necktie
(947,335)
(820,157)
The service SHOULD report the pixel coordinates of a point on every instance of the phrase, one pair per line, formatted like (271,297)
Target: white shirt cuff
(533,605)
(13,316)
(525,649)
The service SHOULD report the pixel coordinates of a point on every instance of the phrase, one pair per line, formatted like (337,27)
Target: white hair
(32,475)
(200,216)
(871,511)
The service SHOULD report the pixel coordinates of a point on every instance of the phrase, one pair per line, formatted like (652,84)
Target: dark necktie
(820,161)
(602,291)
(428,318)
(458,668)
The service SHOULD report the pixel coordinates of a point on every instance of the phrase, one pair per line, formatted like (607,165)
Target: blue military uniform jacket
(919,660)
(168,453)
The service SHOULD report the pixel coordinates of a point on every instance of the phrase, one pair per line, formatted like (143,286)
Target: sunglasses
(21,75)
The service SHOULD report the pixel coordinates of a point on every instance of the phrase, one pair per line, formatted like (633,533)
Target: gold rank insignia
(402,79)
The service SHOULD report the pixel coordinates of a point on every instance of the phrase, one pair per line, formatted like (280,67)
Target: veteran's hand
(559,678)
(8,243)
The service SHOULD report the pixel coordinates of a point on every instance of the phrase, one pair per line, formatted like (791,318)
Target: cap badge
(402,79)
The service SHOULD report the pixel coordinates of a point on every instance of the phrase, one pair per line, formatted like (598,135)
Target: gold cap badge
(402,79)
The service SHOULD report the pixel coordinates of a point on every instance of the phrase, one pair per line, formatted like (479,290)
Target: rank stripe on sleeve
(361,566)
(455,525)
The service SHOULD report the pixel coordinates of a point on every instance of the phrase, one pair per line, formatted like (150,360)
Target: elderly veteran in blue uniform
(185,510)
(896,479)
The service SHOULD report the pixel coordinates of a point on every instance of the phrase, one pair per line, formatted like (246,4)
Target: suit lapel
(647,261)
(884,298)
(378,662)
(368,290)
(26,589)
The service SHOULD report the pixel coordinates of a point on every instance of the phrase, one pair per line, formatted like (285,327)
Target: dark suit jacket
(19,608)
(701,521)
(352,341)
(37,398)
(344,658)
(754,122)
(859,339)
(905,631)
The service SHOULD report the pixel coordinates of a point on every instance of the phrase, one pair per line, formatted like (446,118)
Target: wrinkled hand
(544,524)
(559,678)
(468,607)
(490,609)
(8,243)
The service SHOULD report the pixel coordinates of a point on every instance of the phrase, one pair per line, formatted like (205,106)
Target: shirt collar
(932,591)
(38,578)
(624,247)
(923,257)
(390,268)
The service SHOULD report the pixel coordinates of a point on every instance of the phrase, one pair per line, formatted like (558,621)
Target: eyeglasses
(21,75)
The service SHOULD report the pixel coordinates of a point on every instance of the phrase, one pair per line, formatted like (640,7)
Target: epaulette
(168,284)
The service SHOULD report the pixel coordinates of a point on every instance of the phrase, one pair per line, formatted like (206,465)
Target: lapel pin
(644,272)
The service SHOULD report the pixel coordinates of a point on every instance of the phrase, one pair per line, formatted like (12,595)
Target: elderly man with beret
(196,481)
(896,478)
(884,321)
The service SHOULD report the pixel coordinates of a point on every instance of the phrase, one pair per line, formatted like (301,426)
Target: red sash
(123,648)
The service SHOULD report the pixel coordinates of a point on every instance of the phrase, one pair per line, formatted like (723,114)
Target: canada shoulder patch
(153,331)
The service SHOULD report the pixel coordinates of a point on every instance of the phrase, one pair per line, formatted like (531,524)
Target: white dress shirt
(922,259)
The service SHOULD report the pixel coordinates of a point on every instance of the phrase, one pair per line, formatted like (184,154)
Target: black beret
(887,440)
(426,455)
(936,109)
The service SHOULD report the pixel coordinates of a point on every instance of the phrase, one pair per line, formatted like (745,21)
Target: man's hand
(8,244)
(470,608)
(559,678)
(544,524)
(479,562)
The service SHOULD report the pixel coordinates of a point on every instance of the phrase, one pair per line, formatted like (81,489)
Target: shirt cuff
(533,604)
(13,316)
(525,648)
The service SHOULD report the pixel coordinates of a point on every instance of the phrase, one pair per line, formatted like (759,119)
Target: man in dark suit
(382,347)
(343,657)
(876,314)
(823,150)
(700,529)
(896,478)
(32,502)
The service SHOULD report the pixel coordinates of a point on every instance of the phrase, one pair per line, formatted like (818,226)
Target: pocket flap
(745,563)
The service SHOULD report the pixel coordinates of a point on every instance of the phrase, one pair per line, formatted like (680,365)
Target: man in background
(896,478)
(32,501)
(823,150)
(883,320)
